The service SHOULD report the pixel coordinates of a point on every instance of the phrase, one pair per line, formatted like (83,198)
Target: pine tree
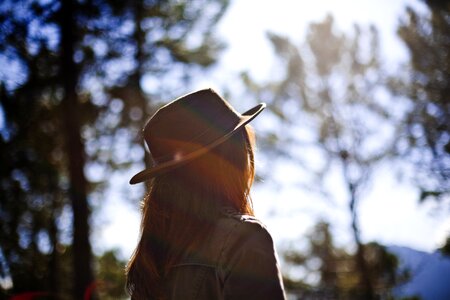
(66,60)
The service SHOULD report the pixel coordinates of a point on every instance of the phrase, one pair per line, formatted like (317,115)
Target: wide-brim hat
(188,127)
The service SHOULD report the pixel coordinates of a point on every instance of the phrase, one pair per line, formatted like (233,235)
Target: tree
(332,87)
(336,269)
(111,278)
(41,115)
(66,60)
(426,85)
(319,258)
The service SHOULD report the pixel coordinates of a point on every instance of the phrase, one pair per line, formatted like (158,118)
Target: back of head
(222,177)
(183,205)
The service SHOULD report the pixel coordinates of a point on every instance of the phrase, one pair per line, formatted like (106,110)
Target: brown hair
(182,207)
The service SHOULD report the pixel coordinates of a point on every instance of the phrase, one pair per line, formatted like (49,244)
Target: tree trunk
(135,78)
(361,264)
(82,256)
(53,265)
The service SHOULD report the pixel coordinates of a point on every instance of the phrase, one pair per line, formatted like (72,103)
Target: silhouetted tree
(332,86)
(64,62)
(427,86)
(336,269)
(320,258)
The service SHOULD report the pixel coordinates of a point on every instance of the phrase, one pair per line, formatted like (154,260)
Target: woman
(199,239)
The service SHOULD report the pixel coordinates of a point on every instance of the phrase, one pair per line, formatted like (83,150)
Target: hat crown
(188,123)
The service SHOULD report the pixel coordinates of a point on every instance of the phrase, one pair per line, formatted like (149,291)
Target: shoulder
(247,230)
(247,220)
(243,221)
(248,265)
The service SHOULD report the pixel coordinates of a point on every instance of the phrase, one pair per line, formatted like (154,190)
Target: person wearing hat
(199,238)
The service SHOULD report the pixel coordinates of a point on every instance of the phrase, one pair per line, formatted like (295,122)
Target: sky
(390,214)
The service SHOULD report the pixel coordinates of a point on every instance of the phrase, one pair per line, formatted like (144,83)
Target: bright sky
(389,215)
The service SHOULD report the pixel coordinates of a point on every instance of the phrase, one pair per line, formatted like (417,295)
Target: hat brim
(146,174)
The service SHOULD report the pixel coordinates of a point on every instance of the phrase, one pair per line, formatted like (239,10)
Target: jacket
(238,262)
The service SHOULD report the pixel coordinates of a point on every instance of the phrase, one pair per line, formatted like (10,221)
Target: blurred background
(353,151)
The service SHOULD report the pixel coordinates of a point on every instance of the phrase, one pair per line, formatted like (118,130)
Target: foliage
(332,87)
(336,269)
(426,85)
(62,116)
(111,276)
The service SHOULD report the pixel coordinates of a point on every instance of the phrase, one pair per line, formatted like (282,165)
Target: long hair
(182,207)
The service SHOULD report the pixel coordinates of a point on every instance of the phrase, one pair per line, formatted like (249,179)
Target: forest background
(353,149)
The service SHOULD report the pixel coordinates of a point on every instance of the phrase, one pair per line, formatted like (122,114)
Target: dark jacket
(239,262)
